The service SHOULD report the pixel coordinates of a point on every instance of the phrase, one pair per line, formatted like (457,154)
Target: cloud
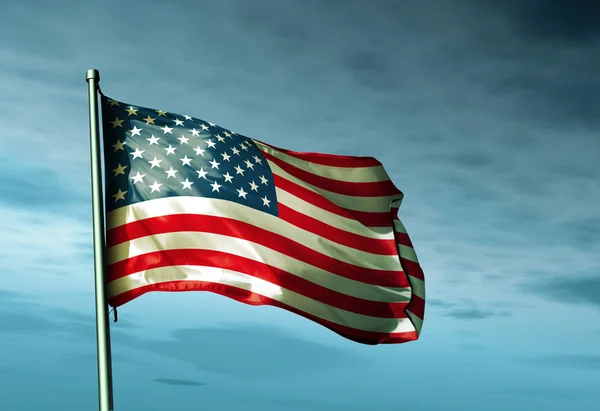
(553,394)
(577,290)
(572,361)
(474,314)
(246,347)
(561,19)
(21,315)
(179,382)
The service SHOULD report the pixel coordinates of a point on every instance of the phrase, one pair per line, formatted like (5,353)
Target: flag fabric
(192,206)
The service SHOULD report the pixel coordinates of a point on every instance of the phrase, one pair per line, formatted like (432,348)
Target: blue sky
(485,113)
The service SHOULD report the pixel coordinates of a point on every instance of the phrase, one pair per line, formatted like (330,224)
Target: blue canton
(151,154)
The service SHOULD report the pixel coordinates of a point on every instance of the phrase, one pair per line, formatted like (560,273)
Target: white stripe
(408,253)
(265,288)
(418,286)
(418,322)
(348,174)
(229,209)
(398,226)
(370,204)
(334,220)
(256,252)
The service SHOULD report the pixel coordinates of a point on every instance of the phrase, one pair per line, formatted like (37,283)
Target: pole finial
(92,74)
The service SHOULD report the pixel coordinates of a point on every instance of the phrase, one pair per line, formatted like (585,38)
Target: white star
(170,150)
(227,134)
(185,161)
(187,117)
(155,187)
(187,184)
(199,151)
(138,178)
(203,126)
(214,164)
(257,160)
(170,172)
(183,140)
(226,157)
(235,151)
(243,147)
(266,201)
(253,186)
(120,195)
(137,153)
(153,140)
(195,132)
(241,192)
(263,180)
(161,113)
(155,162)
(239,170)
(215,186)
(228,177)
(220,138)
(249,164)
(166,130)
(210,143)
(135,131)
(211,124)
(202,173)
(178,122)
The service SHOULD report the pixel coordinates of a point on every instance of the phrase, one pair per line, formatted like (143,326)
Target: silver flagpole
(102,326)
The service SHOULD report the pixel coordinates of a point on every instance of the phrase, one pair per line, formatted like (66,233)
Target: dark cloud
(20,315)
(573,361)
(434,302)
(583,290)
(584,231)
(552,19)
(179,382)
(471,347)
(548,393)
(472,160)
(474,314)
(252,351)
(35,188)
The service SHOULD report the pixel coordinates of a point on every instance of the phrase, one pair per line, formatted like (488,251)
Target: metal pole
(102,325)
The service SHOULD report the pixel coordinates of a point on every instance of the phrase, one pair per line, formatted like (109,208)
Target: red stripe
(403,239)
(379,219)
(417,306)
(227,226)
(357,189)
(370,245)
(329,159)
(248,297)
(412,268)
(256,269)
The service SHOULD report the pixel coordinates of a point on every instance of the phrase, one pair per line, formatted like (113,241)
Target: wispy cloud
(203,348)
(578,290)
(179,382)
(475,314)
(573,361)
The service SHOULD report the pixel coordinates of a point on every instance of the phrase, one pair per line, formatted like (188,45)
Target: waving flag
(192,206)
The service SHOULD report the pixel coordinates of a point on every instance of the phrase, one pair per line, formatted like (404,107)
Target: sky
(486,115)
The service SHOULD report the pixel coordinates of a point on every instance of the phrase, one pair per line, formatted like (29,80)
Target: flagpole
(105,397)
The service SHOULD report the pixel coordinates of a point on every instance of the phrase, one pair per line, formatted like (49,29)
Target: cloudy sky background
(485,113)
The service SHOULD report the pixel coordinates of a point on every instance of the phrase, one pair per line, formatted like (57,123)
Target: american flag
(193,206)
